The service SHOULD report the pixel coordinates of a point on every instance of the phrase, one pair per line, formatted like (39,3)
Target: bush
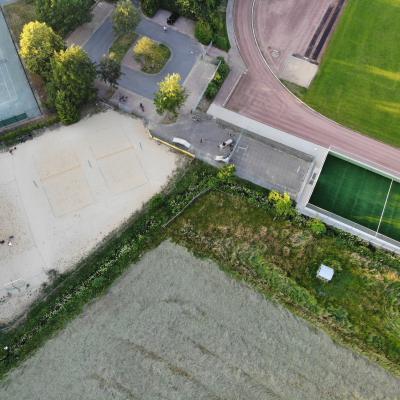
(221,42)
(19,134)
(317,227)
(219,78)
(150,7)
(67,111)
(282,203)
(203,32)
(211,91)
(226,173)
(223,68)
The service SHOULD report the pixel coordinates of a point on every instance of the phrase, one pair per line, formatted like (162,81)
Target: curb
(187,153)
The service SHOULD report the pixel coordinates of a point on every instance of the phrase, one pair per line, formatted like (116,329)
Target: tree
(67,111)
(64,15)
(109,71)
(170,96)
(150,7)
(149,50)
(71,83)
(126,17)
(203,32)
(38,43)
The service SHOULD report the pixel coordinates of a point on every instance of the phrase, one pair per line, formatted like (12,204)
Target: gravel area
(176,327)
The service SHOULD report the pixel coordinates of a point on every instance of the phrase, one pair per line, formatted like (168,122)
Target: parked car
(172,18)
(223,159)
(225,143)
(182,142)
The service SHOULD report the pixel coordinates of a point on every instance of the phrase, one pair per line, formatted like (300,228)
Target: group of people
(10,238)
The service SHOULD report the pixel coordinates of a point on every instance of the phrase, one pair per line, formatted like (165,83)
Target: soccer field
(359,195)
(358,83)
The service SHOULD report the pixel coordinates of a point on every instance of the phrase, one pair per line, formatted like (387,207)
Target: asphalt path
(184,53)
(261,96)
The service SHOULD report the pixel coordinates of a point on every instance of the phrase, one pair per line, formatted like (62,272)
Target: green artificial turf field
(390,225)
(358,83)
(359,195)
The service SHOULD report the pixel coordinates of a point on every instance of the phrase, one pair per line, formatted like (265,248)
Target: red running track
(260,95)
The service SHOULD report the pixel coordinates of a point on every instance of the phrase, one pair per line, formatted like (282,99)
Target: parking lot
(259,160)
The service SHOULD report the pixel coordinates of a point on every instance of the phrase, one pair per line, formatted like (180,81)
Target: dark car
(172,18)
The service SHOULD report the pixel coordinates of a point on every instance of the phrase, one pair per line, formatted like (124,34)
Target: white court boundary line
(4,74)
(384,207)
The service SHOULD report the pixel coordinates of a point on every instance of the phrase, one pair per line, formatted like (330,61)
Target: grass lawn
(358,83)
(234,225)
(281,259)
(358,194)
(18,14)
(155,63)
(122,44)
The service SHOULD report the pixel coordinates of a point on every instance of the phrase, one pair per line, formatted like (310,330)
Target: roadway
(184,53)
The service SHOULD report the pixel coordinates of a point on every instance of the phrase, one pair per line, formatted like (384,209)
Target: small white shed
(325,273)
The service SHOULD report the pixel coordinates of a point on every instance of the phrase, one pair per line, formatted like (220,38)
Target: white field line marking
(384,207)
(3,84)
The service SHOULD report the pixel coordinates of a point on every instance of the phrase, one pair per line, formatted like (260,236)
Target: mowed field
(360,195)
(359,80)
(176,327)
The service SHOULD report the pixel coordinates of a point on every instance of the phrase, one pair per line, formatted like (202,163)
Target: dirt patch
(177,327)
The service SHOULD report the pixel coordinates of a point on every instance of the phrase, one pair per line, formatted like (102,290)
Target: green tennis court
(359,195)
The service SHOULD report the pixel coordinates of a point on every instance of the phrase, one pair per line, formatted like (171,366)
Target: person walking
(141,107)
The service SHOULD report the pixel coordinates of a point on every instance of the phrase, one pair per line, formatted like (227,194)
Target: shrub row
(22,133)
(210,26)
(219,78)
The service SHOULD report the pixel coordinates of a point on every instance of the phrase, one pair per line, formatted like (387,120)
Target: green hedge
(22,133)
(211,17)
(219,78)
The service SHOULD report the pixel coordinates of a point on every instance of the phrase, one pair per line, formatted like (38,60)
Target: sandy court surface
(64,191)
(176,327)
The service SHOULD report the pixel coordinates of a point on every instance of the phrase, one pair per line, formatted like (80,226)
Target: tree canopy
(170,96)
(71,83)
(38,43)
(109,70)
(64,15)
(126,17)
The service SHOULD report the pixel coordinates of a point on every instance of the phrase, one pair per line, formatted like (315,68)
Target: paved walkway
(84,32)
(185,51)
(261,97)
(258,160)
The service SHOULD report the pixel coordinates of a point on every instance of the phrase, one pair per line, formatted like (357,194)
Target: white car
(222,159)
(225,144)
(182,142)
